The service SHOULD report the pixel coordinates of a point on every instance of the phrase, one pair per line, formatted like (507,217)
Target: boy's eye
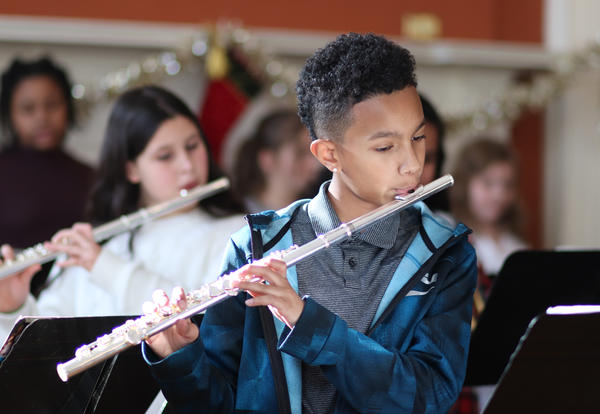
(383,149)
(164,157)
(419,137)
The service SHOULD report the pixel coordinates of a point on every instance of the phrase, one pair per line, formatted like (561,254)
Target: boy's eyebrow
(421,125)
(385,134)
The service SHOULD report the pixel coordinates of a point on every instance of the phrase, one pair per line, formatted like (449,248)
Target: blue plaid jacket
(412,360)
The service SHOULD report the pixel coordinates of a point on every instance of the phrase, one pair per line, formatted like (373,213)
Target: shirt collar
(383,233)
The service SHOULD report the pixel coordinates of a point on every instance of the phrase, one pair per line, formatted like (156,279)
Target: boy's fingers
(257,301)
(277,264)
(254,287)
(263,272)
(160,297)
(272,302)
(178,297)
(149,307)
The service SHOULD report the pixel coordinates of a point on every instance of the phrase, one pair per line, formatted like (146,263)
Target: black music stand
(554,369)
(528,283)
(29,381)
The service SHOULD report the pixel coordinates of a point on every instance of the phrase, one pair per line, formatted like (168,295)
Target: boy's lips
(403,192)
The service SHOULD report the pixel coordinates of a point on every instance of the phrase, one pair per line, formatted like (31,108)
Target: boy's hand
(277,294)
(78,242)
(15,288)
(184,332)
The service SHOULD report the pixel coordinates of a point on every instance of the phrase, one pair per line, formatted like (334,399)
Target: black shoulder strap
(266,319)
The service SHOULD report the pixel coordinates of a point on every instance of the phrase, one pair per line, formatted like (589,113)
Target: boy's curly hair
(351,69)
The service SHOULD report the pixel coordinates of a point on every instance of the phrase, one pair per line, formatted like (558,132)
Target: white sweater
(181,250)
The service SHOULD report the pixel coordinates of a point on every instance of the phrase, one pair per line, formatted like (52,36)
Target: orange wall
(507,20)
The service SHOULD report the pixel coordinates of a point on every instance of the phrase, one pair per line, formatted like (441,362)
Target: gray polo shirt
(348,278)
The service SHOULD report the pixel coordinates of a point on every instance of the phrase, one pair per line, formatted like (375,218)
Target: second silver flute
(38,254)
(135,331)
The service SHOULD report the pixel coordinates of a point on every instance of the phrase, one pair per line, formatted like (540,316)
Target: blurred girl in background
(274,166)
(485,199)
(43,187)
(153,148)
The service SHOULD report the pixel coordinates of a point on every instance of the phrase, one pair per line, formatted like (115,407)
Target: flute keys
(228,287)
(200,295)
(40,249)
(83,352)
(135,336)
(215,288)
(104,340)
(165,311)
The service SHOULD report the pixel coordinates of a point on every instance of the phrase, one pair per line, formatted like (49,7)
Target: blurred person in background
(153,149)
(485,198)
(274,166)
(43,188)
(435,155)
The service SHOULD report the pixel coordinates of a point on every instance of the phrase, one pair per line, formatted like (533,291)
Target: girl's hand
(184,332)
(78,242)
(277,294)
(15,288)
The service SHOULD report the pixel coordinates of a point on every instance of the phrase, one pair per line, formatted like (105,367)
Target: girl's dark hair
(20,70)
(134,119)
(472,160)
(275,130)
(439,201)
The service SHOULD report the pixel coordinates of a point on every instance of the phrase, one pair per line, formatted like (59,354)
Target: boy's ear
(132,173)
(326,152)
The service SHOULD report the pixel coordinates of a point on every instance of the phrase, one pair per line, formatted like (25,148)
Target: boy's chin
(384,199)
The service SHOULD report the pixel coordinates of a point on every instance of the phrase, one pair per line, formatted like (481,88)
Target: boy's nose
(410,164)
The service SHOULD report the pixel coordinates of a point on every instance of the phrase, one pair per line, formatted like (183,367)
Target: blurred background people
(484,197)
(435,156)
(274,166)
(153,149)
(43,188)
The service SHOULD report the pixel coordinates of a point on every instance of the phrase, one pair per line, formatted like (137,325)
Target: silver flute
(39,254)
(135,331)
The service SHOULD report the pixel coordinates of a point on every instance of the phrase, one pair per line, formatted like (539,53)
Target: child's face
(492,192)
(174,159)
(293,163)
(383,150)
(38,113)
